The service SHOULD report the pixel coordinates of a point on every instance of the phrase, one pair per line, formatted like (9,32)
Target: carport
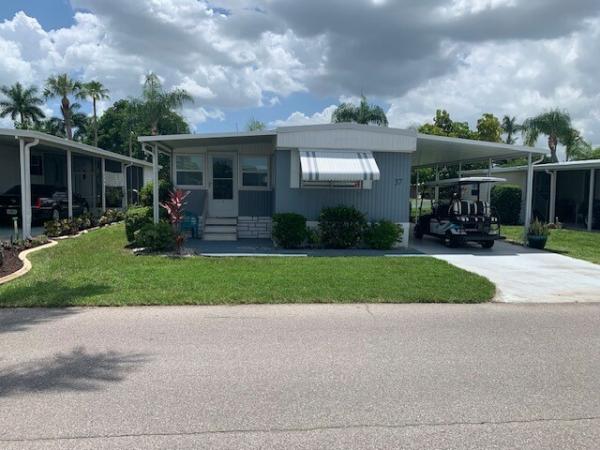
(442,151)
(103,179)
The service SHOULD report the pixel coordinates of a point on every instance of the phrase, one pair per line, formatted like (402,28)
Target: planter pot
(538,242)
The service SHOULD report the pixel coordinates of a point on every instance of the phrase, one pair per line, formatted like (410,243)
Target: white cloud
(514,57)
(299,118)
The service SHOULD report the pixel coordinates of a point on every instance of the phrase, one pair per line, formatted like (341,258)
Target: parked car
(47,202)
(457,218)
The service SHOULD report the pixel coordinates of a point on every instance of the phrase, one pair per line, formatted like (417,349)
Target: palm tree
(575,146)
(63,86)
(157,102)
(95,91)
(21,102)
(364,113)
(510,127)
(555,124)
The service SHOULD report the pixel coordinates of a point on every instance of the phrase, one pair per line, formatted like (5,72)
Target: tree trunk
(552,144)
(23,124)
(95,124)
(154,131)
(66,112)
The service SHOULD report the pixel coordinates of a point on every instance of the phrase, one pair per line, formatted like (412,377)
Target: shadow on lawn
(51,293)
(74,371)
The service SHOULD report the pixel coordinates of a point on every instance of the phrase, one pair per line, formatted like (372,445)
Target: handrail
(204,211)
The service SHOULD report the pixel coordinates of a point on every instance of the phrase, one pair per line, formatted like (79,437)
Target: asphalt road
(301,376)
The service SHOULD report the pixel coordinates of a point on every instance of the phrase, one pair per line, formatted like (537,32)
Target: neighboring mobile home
(239,180)
(566,191)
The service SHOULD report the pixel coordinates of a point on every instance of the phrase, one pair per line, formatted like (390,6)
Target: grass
(578,244)
(95,269)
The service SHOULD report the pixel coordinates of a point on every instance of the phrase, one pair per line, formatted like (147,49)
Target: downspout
(529,194)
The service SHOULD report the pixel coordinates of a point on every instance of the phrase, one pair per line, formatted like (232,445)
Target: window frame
(203,171)
(241,185)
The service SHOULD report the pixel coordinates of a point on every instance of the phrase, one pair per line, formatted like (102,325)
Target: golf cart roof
(465,180)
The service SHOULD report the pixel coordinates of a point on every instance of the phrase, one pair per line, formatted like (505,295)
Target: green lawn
(578,244)
(95,269)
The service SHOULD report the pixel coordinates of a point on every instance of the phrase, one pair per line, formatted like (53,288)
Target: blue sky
(289,62)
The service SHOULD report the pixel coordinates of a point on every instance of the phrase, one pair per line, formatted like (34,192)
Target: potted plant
(537,234)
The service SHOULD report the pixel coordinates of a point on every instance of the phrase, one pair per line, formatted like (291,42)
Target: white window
(189,170)
(255,171)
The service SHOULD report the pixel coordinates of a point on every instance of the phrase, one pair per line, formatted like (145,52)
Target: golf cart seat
(469,208)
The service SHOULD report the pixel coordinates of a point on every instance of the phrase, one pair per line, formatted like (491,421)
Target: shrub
(506,199)
(341,226)
(135,218)
(158,237)
(383,235)
(174,208)
(147,194)
(53,228)
(538,228)
(289,230)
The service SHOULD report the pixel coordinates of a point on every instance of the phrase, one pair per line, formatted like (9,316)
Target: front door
(222,186)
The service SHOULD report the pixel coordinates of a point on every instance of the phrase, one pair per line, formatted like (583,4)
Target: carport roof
(429,150)
(432,150)
(9,137)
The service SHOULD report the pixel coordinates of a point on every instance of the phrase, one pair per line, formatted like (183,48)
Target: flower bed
(9,254)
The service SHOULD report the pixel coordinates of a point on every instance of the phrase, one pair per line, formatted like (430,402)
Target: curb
(26,263)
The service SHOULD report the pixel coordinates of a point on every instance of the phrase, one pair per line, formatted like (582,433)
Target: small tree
(175,210)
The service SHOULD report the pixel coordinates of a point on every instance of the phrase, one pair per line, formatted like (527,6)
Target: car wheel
(487,244)
(55,214)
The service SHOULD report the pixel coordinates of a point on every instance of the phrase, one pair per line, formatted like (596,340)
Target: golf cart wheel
(452,241)
(487,244)
(418,232)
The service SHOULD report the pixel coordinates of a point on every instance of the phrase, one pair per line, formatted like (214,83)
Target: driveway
(523,275)
(301,376)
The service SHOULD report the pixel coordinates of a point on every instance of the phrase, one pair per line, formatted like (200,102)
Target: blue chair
(190,223)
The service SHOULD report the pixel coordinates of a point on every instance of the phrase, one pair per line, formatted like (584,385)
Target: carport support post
(552,209)
(529,196)
(591,200)
(437,179)
(25,229)
(155,183)
(490,163)
(69,185)
(103,171)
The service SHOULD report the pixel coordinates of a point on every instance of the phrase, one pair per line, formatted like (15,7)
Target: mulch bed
(12,263)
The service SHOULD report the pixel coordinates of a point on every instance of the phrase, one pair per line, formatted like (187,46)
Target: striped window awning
(333,165)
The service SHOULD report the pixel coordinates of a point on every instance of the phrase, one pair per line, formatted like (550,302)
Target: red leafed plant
(174,206)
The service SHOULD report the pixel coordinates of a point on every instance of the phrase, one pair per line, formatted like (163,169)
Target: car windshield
(42,190)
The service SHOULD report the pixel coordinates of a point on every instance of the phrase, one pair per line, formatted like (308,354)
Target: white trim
(103,174)
(241,185)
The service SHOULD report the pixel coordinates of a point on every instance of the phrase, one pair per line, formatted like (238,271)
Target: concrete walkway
(523,275)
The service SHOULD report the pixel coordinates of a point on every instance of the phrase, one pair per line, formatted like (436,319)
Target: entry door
(222,187)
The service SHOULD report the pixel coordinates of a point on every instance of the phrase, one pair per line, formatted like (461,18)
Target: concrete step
(221,221)
(219,236)
(220,229)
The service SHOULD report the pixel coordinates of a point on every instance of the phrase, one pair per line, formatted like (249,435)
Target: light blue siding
(388,199)
(255,203)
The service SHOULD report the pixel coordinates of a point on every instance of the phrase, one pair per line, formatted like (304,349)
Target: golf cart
(459,214)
